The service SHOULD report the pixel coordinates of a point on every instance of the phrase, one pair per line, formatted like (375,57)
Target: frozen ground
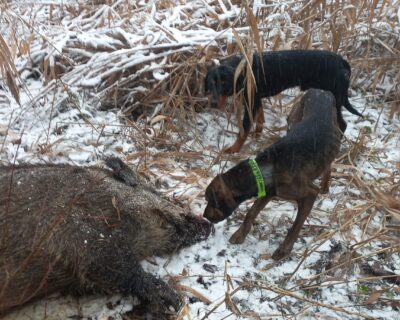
(215,269)
(350,231)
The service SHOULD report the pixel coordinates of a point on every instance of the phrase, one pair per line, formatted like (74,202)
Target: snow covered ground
(349,233)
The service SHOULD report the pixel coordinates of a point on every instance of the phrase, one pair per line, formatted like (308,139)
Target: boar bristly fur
(76,229)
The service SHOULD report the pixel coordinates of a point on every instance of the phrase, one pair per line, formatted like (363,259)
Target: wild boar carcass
(68,228)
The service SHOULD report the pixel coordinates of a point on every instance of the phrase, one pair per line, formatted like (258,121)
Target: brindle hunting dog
(288,169)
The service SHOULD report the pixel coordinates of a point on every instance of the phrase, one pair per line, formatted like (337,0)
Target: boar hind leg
(121,272)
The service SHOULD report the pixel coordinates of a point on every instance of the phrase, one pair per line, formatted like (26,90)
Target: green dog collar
(259,178)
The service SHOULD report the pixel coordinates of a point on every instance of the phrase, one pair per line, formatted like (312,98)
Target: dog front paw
(238,237)
(324,190)
(280,253)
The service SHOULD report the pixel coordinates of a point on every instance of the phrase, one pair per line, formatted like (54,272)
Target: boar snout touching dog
(75,229)
(277,71)
(286,170)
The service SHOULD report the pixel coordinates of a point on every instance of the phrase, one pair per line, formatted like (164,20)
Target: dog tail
(346,75)
(346,102)
(349,107)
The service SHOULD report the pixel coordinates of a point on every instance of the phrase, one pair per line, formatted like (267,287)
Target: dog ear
(239,81)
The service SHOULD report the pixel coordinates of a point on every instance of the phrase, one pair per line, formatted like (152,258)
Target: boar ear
(121,171)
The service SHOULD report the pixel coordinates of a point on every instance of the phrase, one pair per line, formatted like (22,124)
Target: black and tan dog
(276,72)
(286,170)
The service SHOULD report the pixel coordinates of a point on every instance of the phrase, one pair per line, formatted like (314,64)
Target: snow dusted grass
(89,68)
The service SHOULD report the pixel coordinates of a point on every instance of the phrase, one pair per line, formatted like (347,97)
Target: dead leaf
(12,86)
(158,118)
(198,295)
(374,296)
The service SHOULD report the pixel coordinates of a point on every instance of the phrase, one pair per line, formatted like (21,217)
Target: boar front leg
(121,272)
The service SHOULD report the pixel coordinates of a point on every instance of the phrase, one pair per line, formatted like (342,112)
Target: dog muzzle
(212,214)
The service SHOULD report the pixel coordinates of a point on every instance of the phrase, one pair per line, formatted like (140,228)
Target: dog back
(307,69)
(312,143)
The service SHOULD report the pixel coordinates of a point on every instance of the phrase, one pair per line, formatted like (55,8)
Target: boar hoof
(160,296)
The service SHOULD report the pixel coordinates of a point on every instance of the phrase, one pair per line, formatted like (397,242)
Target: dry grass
(120,55)
(109,64)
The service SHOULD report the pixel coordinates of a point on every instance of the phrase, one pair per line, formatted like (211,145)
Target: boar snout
(199,229)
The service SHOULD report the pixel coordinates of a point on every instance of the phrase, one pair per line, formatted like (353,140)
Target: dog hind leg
(341,123)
